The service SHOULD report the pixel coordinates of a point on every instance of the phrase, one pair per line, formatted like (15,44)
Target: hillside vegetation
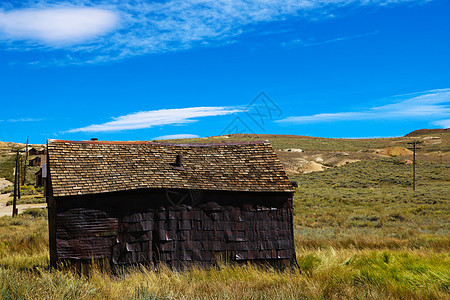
(360,233)
(29,193)
(434,140)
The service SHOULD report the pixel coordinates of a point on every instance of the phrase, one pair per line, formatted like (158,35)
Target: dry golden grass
(350,267)
(324,273)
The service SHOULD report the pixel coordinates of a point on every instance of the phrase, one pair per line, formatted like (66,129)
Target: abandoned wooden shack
(36,161)
(36,151)
(146,202)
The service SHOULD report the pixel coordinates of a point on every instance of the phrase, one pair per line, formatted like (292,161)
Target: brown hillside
(420,132)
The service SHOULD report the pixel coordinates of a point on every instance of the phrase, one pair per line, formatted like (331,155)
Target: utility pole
(25,164)
(16,179)
(414,148)
(18,176)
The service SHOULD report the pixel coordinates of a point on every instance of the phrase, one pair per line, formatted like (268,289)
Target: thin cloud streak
(165,26)
(147,119)
(177,136)
(300,43)
(426,105)
(25,120)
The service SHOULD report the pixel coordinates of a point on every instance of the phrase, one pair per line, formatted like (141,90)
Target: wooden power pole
(414,147)
(25,164)
(16,182)
(19,176)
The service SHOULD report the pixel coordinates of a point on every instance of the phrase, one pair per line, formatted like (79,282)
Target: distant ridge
(427,131)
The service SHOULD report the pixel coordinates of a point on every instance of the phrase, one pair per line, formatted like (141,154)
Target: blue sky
(141,70)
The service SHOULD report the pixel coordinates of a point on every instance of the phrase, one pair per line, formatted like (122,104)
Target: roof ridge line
(158,143)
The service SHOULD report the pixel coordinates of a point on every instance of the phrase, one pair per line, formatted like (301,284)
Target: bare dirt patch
(312,166)
(7,210)
(4,183)
(316,161)
(395,151)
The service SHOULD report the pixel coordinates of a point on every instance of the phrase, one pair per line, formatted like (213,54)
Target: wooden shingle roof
(79,168)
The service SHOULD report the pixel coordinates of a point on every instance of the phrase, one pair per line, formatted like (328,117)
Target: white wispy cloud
(442,123)
(177,136)
(429,105)
(100,30)
(56,27)
(147,119)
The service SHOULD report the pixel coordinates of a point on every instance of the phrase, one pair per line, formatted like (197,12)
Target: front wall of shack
(142,227)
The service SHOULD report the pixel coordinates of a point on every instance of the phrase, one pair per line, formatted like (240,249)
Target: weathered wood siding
(205,235)
(142,227)
(84,233)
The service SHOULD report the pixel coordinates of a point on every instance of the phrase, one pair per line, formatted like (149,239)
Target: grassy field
(375,198)
(360,233)
(354,268)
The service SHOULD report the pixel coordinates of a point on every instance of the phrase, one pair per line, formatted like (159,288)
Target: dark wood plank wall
(143,227)
(206,235)
(84,233)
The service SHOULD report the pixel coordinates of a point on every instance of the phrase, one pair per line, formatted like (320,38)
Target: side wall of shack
(143,227)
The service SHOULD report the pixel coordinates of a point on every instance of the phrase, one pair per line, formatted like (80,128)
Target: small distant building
(152,203)
(36,151)
(35,161)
